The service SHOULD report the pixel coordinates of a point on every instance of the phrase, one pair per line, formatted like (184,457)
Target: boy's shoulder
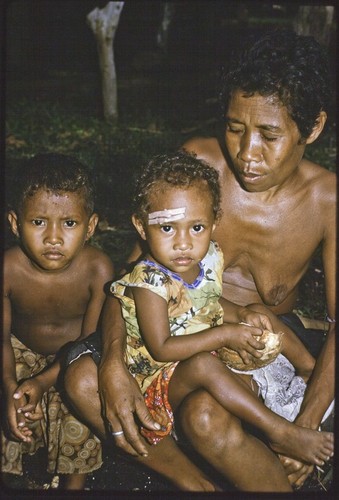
(96,258)
(14,257)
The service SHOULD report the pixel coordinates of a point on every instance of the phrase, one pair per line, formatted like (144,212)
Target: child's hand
(241,338)
(15,422)
(29,393)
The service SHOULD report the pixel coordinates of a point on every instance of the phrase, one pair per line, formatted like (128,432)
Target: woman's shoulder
(206,148)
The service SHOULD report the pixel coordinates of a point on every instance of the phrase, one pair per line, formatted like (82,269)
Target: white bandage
(164,216)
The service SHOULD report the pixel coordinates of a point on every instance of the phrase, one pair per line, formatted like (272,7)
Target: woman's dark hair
(180,169)
(56,173)
(291,67)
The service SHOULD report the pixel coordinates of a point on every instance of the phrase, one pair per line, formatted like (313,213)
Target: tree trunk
(316,21)
(104,24)
(168,11)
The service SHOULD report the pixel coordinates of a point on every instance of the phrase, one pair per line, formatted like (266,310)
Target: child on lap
(175,316)
(53,294)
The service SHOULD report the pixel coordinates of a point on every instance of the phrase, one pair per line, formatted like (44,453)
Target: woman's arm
(119,393)
(320,390)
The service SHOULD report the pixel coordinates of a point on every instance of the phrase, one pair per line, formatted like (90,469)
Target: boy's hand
(29,393)
(16,422)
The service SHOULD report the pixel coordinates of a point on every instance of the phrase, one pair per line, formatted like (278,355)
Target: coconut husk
(273,345)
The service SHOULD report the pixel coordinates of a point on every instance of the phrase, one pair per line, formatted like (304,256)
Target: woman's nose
(250,148)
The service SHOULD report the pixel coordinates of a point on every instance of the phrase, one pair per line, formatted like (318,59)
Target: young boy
(53,294)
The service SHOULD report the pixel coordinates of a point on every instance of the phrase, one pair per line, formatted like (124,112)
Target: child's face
(53,228)
(180,245)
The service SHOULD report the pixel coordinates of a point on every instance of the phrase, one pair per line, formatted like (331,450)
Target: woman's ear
(137,223)
(318,127)
(13,221)
(92,224)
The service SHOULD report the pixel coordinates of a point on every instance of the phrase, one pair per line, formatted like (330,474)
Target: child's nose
(183,241)
(53,235)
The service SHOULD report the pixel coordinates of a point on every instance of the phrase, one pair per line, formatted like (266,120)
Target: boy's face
(262,140)
(53,228)
(180,245)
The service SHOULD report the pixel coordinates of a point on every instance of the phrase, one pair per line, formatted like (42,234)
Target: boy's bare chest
(50,299)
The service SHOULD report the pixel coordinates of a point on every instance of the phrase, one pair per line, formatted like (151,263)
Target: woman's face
(263,142)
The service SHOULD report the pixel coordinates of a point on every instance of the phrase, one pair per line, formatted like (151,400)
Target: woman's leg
(165,458)
(207,371)
(219,437)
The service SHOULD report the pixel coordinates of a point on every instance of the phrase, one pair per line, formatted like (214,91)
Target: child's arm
(152,313)
(14,421)
(104,273)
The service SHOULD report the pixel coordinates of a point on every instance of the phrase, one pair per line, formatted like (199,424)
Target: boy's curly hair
(179,169)
(292,67)
(56,173)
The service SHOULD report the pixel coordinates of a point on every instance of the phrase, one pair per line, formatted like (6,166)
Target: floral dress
(191,309)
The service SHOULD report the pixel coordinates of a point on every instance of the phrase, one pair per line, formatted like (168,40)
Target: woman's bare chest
(265,254)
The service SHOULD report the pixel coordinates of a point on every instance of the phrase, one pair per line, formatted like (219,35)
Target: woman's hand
(123,404)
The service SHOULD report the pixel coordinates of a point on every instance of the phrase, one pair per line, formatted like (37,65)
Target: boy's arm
(120,395)
(103,273)
(14,421)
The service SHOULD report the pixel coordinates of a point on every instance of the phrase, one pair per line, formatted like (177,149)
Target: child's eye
(166,229)
(70,223)
(38,222)
(197,228)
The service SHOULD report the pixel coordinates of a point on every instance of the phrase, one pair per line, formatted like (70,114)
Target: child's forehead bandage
(164,216)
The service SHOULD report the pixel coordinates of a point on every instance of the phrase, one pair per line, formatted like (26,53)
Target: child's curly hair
(56,173)
(180,169)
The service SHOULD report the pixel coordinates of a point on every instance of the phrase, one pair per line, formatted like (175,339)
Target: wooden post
(316,20)
(104,23)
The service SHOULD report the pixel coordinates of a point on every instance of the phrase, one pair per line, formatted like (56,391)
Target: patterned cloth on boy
(191,309)
(72,447)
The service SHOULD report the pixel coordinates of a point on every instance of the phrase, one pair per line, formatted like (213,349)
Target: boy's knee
(80,377)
